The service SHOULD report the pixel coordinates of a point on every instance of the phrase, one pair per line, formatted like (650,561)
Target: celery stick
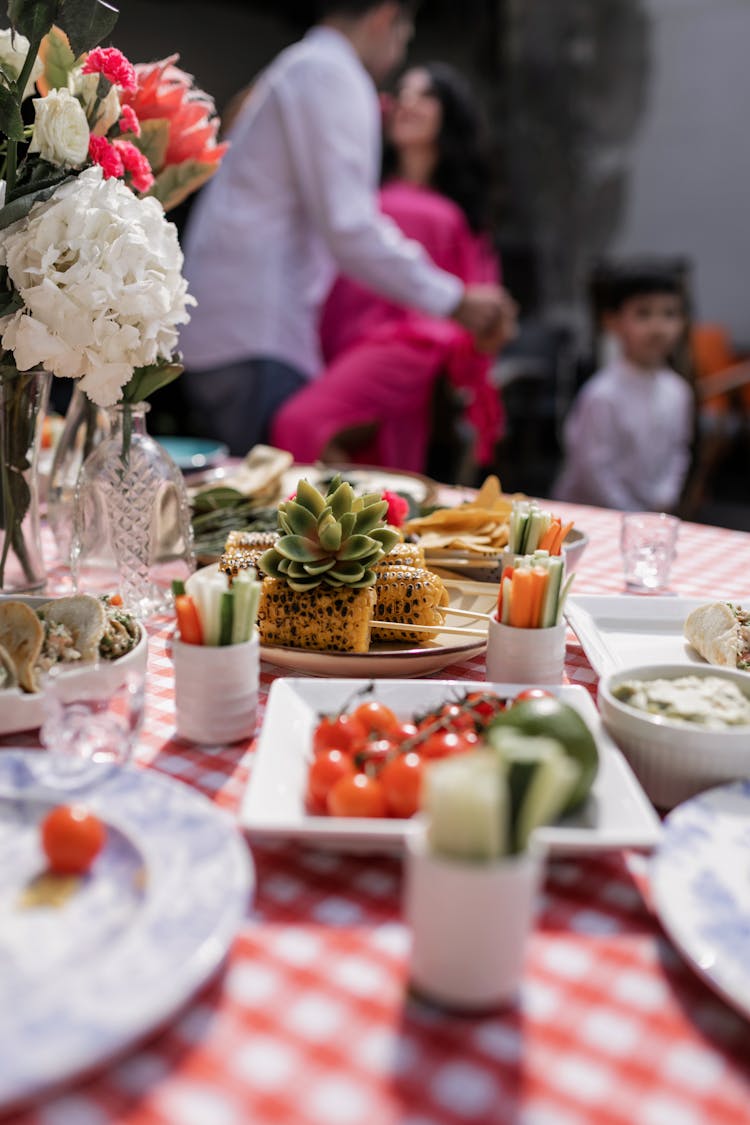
(507,595)
(226,617)
(562,598)
(246,593)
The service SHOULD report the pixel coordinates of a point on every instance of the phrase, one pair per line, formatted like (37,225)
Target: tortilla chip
(21,635)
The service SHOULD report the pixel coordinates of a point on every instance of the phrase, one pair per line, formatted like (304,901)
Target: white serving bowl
(20,710)
(673,760)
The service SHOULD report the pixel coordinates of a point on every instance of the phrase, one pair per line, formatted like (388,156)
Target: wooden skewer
(397,628)
(465,612)
(452,564)
(466,586)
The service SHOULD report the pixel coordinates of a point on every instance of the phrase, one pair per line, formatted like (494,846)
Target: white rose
(84,87)
(99,271)
(13,52)
(61,131)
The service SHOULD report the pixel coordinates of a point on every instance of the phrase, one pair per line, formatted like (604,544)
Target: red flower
(129,122)
(107,157)
(136,165)
(113,65)
(398,508)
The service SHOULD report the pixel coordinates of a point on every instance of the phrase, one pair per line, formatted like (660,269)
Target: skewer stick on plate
(398,628)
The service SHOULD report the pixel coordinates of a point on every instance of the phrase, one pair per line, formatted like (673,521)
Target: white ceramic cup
(470,924)
(216,690)
(525,656)
(648,541)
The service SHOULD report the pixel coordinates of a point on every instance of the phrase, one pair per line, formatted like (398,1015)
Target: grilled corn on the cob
(335,618)
(409,596)
(403,554)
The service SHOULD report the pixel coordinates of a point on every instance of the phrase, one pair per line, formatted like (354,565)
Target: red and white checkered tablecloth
(312,1023)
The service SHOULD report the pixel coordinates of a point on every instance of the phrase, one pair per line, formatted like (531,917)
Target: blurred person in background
(627,437)
(293,204)
(372,403)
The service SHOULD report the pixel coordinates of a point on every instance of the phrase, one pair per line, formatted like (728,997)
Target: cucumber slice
(552,593)
(466,801)
(541,777)
(226,617)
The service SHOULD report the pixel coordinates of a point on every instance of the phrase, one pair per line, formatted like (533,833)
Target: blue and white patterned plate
(700,880)
(150,923)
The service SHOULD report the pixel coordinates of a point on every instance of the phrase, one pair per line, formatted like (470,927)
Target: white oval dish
(21,711)
(673,761)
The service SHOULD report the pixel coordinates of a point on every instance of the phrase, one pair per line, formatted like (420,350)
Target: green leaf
(59,60)
(10,301)
(341,500)
(356,547)
(19,207)
(178,181)
(153,141)
(298,549)
(33,18)
(85,22)
(146,381)
(11,122)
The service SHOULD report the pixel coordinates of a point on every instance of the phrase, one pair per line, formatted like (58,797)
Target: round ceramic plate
(194,453)
(701,890)
(399,660)
(21,711)
(131,941)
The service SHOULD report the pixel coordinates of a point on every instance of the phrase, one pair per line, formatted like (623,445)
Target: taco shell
(713,632)
(84,616)
(21,635)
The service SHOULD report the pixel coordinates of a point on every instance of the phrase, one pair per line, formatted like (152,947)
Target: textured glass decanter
(131,527)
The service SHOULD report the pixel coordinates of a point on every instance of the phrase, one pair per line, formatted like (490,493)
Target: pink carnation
(107,157)
(398,508)
(113,65)
(129,122)
(136,165)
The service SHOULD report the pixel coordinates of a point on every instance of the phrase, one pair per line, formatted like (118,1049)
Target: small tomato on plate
(72,838)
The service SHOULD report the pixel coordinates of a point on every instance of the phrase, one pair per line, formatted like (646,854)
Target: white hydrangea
(14,48)
(99,271)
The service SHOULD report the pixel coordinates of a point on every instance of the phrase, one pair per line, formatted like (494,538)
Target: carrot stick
(549,537)
(556,549)
(538,588)
(522,597)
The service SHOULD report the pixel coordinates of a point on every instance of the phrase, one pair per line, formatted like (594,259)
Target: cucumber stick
(226,617)
(246,594)
(466,800)
(552,593)
(541,777)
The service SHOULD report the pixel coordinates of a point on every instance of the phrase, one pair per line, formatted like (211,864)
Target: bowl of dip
(683,727)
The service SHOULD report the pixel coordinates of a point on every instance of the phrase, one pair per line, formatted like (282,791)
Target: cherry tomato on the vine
(404,732)
(485,705)
(72,838)
(443,743)
(358,795)
(339,732)
(376,718)
(456,717)
(401,779)
(375,753)
(533,693)
(326,769)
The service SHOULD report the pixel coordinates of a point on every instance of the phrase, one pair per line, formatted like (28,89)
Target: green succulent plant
(333,539)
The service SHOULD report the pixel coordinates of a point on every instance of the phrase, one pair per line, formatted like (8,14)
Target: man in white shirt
(627,437)
(293,204)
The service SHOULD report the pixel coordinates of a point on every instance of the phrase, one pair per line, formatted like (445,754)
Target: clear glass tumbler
(648,542)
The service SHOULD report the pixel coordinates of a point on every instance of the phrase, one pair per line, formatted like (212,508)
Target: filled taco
(720,632)
(73,628)
(8,678)
(21,635)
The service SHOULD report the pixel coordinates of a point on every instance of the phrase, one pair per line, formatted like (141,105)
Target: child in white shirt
(627,436)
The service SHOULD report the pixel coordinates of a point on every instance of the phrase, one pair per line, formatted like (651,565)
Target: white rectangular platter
(617,631)
(617,814)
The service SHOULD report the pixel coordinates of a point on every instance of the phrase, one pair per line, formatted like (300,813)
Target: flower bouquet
(90,269)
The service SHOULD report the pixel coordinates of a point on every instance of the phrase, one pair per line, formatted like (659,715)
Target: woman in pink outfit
(372,402)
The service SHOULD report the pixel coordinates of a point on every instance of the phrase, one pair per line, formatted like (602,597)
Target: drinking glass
(91,723)
(649,543)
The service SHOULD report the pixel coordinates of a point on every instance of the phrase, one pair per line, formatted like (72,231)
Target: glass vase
(131,524)
(23,402)
(86,425)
